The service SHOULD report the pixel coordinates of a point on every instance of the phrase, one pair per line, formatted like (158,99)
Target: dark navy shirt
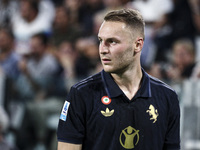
(98,115)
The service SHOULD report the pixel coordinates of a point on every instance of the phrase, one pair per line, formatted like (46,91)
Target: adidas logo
(107,113)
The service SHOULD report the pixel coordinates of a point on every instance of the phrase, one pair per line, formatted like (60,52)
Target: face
(61,19)
(37,48)
(25,9)
(117,47)
(182,57)
(5,41)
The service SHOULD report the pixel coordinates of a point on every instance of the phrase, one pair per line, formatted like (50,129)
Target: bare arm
(69,146)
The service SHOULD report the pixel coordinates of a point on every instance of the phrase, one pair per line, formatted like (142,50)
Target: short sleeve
(71,127)
(172,138)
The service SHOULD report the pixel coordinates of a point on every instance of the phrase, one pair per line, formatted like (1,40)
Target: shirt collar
(113,90)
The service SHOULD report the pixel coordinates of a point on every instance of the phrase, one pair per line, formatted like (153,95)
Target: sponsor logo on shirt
(129,138)
(63,115)
(107,112)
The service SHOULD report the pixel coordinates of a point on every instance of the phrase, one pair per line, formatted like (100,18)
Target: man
(40,69)
(8,58)
(41,86)
(32,17)
(122,107)
(62,28)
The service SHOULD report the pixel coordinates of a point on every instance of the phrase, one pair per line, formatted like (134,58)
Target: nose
(103,48)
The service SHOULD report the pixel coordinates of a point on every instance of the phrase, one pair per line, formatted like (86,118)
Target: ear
(139,44)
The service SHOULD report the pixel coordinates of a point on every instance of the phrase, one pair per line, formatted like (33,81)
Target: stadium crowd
(46,46)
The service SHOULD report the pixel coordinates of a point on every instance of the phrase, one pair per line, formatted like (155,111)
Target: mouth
(105,60)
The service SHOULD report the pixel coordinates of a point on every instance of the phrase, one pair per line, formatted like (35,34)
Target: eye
(100,40)
(111,41)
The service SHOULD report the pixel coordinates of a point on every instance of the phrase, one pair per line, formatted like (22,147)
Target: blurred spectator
(154,12)
(158,70)
(195,6)
(43,90)
(62,28)
(73,7)
(33,17)
(7,8)
(86,14)
(67,56)
(8,65)
(88,61)
(4,125)
(8,58)
(98,16)
(40,70)
(47,10)
(180,67)
(177,24)
(183,60)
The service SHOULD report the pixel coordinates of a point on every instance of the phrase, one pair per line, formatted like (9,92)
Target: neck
(129,82)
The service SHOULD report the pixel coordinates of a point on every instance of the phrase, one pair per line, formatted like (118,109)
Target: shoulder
(159,83)
(87,89)
(93,82)
(160,86)
(164,93)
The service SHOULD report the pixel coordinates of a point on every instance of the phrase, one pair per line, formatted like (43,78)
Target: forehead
(111,28)
(35,41)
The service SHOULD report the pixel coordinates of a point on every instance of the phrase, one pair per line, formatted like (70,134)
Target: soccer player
(122,107)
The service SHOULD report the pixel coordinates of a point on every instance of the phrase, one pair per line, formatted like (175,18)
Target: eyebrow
(109,38)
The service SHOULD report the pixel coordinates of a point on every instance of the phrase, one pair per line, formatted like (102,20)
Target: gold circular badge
(129,137)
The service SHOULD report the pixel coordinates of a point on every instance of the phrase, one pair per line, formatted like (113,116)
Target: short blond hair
(130,17)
